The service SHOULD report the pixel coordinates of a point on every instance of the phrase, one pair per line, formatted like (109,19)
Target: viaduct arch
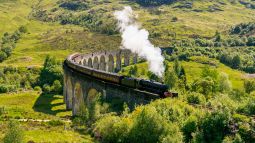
(79,80)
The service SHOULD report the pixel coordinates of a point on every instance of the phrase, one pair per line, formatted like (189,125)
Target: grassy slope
(193,71)
(14,13)
(46,38)
(30,105)
(191,23)
(51,38)
(33,106)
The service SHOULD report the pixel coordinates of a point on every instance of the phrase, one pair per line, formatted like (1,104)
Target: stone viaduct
(81,84)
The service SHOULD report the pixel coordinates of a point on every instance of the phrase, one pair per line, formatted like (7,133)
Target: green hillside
(48,35)
(211,67)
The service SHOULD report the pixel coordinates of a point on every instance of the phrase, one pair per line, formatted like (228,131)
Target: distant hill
(59,27)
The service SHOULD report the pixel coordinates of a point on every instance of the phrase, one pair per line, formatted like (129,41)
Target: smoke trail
(137,40)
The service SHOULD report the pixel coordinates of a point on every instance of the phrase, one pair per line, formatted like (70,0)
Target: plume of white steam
(137,40)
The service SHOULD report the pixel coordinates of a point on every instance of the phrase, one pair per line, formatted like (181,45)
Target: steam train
(140,84)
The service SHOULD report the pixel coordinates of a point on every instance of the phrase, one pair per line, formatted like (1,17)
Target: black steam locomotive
(147,85)
(141,84)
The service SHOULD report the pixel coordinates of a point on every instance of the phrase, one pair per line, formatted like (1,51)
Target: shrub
(52,70)
(152,76)
(23,29)
(3,89)
(246,132)
(7,50)
(203,85)
(248,108)
(38,88)
(224,83)
(14,78)
(16,36)
(249,85)
(230,139)
(1,111)
(171,79)
(133,71)
(3,56)
(144,125)
(56,123)
(150,127)
(94,108)
(104,128)
(174,19)
(14,133)
(251,41)
(83,116)
(189,127)
(240,118)
(243,28)
(196,98)
(215,126)
(46,88)
(56,87)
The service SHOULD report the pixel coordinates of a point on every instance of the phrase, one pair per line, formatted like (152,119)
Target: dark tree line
(9,41)
(243,29)
(74,5)
(155,2)
(232,61)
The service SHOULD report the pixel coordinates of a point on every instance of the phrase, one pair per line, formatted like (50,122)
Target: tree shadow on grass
(45,104)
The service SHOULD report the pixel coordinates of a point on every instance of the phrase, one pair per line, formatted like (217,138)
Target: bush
(171,79)
(55,123)
(203,85)
(150,127)
(248,108)
(23,29)
(38,88)
(196,98)
(7,88)
(144,125)
(224,83)
(56,87)
(1,111)
(174,19)
(13,78)
(215,126)
(3,56)
(236,139)
(46,88)
(7,50)
(52,70)
(3,89)
(104,129)
(14,133)
(133,71)
(251,41)
(189,127)
(249,85)
(152,76)
(247,133)
(94,108)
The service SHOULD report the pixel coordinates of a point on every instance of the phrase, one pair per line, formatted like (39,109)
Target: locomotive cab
(170,94)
